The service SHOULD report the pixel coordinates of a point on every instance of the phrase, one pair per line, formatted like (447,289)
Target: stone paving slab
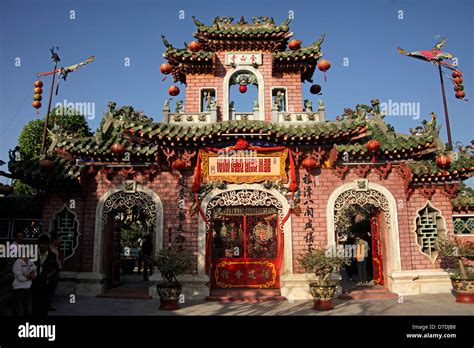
(428,304)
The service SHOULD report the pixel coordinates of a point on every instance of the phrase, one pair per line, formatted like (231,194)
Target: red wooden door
(245,250)
(377,263)
(111,257)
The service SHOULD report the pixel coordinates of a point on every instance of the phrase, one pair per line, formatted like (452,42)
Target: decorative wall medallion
(262,233)
(361,184)
(130,186)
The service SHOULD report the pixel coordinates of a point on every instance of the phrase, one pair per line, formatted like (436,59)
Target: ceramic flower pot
(169,295)
(323,295)
(464,289)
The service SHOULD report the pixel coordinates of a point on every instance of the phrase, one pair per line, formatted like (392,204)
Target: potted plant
(457,257)
(322,263)
(171,263)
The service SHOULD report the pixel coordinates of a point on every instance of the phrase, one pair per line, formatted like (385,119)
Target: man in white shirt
(24,271)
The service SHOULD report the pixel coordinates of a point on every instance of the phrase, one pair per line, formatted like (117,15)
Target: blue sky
(366,33)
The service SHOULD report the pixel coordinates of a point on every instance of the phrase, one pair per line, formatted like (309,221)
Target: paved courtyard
(432,304)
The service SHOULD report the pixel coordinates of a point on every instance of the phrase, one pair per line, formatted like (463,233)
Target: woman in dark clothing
(46,267)
(147,252)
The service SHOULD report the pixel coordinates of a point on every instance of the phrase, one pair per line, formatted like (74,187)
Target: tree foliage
(61,122)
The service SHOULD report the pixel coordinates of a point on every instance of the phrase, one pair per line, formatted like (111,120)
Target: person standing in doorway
(362,252)
(147,252)
(349,246)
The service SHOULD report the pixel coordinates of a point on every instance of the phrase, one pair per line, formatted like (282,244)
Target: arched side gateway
(248,196)
(127,195)
(362,192)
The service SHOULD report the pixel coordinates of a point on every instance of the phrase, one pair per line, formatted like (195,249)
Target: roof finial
(196,21)
(166,42)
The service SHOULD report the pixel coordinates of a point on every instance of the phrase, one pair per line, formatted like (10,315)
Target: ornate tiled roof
(146,141)
(464,199)
(259,33)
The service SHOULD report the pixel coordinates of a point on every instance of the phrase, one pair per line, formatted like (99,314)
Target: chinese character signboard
(240,58)
(243,168)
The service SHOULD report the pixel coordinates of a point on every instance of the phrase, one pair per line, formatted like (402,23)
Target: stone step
(139,294)
(245,295)
(368,293)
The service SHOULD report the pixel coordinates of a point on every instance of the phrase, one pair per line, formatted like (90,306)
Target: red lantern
(38,84)
(38,90)
(309,163)
(36,104)
(324,65)
(37,97)
(242,88)
(459,88)
(173,91)
(166,68)
(46,164)
(456,73)
(194,46)
(460,94)
(294,44)
(373,146)
(315,89)
(458,80)
(118,149)
(179,164)
(443,161)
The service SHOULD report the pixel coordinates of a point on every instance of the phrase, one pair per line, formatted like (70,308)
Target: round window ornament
(262,233)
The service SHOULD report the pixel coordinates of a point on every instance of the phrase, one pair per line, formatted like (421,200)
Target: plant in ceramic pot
(457,257)
(323,263)
(171,263)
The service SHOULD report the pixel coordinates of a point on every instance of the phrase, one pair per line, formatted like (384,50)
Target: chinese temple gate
(248,192)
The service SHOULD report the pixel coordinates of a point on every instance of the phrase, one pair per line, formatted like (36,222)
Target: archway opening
(361,232)
(129,221)
(243,95)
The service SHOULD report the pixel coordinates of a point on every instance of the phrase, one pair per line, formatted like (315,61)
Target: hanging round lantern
(173,91)
(242,88)
(194,46)
(37,97)
(309,163)
(458,80)
(38,84)
(324,65)
(36,104)
(456,73)
(294,44)
(46,164)
(38,90)
(460,94)
(373,146)
(443,161)
(166,68)
(117,149)
(315,89)
(459,88)
(178,164)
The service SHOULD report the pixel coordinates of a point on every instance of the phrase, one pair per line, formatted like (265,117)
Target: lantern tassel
(373,158)
(324,76)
